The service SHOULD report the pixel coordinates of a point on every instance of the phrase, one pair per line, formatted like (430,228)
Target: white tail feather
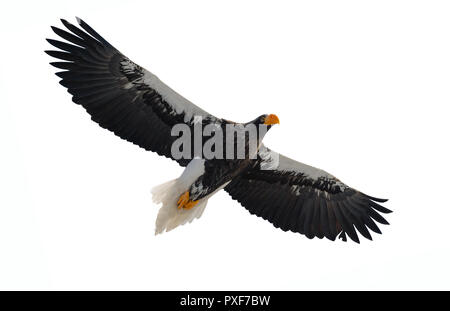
(159,193)
(169,215)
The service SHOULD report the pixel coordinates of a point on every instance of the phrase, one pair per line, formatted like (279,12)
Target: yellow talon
(184,198)
(190,204)
(184,202)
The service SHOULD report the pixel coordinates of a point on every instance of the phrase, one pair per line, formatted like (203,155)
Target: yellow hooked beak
(271,119)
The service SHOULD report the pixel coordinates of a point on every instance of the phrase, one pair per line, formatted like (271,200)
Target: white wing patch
(178,102)
(272,160)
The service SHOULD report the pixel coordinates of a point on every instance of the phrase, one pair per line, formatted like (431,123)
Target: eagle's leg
(185,202)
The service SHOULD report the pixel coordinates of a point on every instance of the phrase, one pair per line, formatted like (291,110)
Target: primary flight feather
(134,104)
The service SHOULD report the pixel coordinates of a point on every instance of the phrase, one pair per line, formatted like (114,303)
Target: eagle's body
(134,104)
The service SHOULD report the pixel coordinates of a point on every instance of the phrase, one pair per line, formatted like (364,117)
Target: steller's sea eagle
(134,104)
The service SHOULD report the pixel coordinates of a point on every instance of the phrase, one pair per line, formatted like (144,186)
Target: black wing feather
(114,92)
(306,200)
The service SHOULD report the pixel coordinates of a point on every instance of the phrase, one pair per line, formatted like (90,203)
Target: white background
(361,89)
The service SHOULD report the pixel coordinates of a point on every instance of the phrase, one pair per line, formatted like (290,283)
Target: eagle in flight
(135,105)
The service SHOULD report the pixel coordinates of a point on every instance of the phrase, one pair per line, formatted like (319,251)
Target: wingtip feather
(376,199)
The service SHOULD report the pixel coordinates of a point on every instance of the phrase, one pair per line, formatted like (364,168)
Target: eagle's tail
(169,215)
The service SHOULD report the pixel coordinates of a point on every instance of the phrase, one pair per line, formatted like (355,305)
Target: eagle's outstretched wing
(119,94)
(300,198)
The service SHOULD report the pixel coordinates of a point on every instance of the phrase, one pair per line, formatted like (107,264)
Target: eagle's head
(264,123)
(266,119)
